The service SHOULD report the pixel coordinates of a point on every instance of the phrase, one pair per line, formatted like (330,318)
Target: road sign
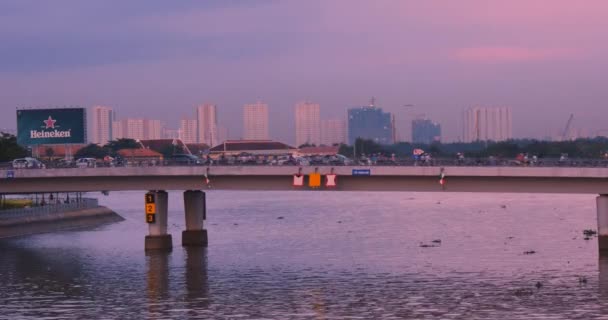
(10,174)
(362,172)
(150,217)
(150,208)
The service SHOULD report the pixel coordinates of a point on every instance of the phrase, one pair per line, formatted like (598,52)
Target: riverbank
(52,218)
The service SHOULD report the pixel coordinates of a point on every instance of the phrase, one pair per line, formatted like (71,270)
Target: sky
(546,59)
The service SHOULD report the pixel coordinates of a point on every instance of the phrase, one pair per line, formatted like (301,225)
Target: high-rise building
(188,130)
(425,131)
(487,124)
(371,123)
(255,121)
(222,134)
(117,132)
(102,125)
(206,117)
(333,132)
(308,123)
(170,133)
(152,129)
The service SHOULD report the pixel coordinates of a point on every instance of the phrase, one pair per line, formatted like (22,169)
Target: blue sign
(362,172)
(10,174)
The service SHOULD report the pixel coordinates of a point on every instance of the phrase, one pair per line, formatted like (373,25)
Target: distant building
(102,125)
(170,133)
(188,130)
(425,131)
(137,129)
(333,132)
(153,129)
(308,123)
(206,117)
(222,134)
(255,121)
(487,124)
(371,123)
(164,146)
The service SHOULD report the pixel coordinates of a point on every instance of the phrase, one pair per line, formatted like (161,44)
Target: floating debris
(530,252)
(587,238)
(438,202)
(510,237)
(582,280)
(589,232)
(523,292)
(504,206)
(436,241)
(339,221)
(236,224)
(538,285)
(280,218)
(424,245)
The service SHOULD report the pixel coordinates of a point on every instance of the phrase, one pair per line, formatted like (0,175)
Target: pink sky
(544,59)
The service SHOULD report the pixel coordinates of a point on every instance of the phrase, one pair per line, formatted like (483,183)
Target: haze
(159,59)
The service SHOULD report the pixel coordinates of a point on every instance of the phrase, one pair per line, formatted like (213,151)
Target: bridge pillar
(158,239)
(195,205)
(602,222)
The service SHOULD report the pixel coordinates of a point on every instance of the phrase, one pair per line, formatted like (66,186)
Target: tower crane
(567,128)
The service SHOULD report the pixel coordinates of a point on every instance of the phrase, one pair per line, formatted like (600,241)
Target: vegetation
(14,203)
(9,149)
(119,144)
(580,148)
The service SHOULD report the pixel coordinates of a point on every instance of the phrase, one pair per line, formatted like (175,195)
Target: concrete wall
(28,224)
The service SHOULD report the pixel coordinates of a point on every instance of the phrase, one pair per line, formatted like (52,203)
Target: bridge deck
(381,178)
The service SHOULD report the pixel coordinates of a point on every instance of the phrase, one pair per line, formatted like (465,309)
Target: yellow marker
(150,208)
(314,180)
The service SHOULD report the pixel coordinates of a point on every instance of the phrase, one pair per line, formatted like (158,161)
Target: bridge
(194,180)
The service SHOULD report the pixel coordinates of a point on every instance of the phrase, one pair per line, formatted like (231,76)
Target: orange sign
(314,180)
(150,208)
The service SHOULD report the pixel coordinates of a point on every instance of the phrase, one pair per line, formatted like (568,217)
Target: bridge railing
(469,162)
(48,209)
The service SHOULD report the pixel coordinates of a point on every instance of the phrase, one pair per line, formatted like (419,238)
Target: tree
(92,151)
(119,144)
(49,152)
(9,149)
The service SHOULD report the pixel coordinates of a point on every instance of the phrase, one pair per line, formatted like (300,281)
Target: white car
(27,163)
(86,163)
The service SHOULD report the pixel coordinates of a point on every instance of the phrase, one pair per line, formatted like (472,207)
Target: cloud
(512,54)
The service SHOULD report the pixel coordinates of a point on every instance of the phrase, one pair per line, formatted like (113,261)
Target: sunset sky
(159,59)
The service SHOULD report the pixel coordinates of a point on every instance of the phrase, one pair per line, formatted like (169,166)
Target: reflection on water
(289,255)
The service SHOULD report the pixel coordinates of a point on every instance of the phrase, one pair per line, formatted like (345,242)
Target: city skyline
(439,57)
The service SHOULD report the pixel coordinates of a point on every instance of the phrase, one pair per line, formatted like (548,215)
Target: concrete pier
(195,211)
(602,223)
(158,239)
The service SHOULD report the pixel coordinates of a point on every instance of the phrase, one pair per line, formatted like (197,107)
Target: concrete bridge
(196,179)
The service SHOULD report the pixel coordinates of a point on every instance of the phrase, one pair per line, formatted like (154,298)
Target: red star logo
(50,123)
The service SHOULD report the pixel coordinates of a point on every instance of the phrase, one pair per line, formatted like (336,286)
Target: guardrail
(48,209)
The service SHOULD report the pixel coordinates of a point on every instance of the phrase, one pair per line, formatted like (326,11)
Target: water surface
(321,255)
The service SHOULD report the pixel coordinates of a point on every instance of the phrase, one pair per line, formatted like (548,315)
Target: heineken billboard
(51,126)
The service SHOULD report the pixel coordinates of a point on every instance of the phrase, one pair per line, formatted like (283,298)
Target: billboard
(51,126)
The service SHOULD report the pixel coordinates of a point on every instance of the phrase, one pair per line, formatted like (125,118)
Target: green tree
(9,149)
(92,151)
(119,144)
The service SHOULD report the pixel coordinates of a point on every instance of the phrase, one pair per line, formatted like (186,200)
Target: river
(321,255)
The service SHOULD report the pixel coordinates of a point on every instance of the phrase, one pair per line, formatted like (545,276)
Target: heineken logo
(44,133)
(50,123)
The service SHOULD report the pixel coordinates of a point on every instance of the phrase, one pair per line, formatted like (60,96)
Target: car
(27,163)
(185,159)
(86,163)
